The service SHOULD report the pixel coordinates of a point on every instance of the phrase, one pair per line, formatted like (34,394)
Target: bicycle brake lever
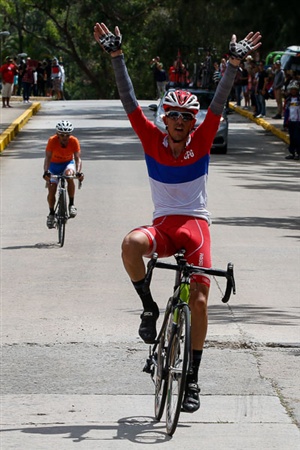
(150,266)
(230,287)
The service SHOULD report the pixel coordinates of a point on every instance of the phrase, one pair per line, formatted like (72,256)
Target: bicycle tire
(160,371)
(179,358)
(62,217)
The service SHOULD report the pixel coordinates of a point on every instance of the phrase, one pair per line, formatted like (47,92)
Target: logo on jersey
(201,259)
(189,154)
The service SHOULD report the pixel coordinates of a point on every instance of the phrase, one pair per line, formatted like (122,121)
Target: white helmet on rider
(64,127)
(181,99)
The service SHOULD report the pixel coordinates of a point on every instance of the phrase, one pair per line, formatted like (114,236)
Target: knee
(134,244)
(69,172)
(198,302)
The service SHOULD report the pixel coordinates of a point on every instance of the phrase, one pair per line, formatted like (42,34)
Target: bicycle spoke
(62,217)
(178,365)
(161,371)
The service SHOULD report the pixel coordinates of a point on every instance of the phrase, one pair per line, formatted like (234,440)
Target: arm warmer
(124,84)
(223,90)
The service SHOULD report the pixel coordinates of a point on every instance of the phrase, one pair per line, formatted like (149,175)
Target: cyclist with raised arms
(62,156)
(177,163)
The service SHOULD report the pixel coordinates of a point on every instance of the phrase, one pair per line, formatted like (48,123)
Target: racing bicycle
(61,208)
(169,359)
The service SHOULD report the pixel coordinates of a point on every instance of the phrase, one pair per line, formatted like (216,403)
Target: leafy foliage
(64,28)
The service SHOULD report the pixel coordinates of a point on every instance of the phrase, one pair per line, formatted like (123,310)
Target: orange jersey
(62,154)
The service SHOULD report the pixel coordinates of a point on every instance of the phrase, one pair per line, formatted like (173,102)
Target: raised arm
(237,51)
(111,43)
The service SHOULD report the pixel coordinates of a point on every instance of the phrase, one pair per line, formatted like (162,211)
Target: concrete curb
(262,122)
(9,134)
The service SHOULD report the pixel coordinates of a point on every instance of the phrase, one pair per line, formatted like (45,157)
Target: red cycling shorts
(168,234)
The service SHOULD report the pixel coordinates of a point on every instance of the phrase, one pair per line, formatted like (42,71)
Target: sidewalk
(268,123)
(13,119)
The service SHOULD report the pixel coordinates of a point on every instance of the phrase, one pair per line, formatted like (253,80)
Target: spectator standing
(27,81)
(262,80)
(57,78)
(252,82)
(48,81)
(277,88)
(244,83)
(41,79)
(16,83)
(269,86)
(63,78)
(223,66)
(181,74)
(160,76)
(35,82)
(292,119)
(21,69)
(8,71)
(238,86)
(216,75)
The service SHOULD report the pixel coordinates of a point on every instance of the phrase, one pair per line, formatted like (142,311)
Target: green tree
(64,28)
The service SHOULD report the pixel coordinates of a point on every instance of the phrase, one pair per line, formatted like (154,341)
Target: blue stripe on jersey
(176,175)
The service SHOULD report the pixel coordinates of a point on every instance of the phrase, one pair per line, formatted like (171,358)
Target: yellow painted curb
(8,135)
(266,125)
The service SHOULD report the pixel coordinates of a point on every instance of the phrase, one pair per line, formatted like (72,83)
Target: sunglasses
(63,134)
(186,116)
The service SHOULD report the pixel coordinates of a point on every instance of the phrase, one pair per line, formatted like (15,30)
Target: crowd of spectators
(28,77)
(255,83)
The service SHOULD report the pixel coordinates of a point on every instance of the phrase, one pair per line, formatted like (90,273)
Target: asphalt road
(71,357)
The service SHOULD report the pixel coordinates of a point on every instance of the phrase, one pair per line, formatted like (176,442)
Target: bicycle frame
(158,364)
(61,210)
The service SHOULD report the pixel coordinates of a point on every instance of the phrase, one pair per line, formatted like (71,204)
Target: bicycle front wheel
(161,371)
(179,360)
(62,217)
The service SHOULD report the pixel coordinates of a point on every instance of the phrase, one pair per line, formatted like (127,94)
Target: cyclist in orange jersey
(62,157)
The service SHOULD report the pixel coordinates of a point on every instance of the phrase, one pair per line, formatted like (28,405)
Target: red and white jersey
(178,185)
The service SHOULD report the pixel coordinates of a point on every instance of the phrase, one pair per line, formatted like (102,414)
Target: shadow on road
(286,223)
(253,314)
(135,429)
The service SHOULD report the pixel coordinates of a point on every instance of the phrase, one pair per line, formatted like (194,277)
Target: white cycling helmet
(64,127)
(181,99)
(293,85)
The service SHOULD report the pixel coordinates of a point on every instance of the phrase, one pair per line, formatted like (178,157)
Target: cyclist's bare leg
(71,184)
(134,246)
(51,195)
(198,305)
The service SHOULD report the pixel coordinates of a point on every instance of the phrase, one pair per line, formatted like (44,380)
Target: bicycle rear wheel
(62,217)
(161,371)
(178,365)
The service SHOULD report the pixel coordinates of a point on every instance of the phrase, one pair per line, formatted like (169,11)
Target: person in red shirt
(62,157)
(8,71)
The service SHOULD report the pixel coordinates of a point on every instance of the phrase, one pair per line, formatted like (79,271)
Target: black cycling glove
(240,49)
(110,42)
(47,174)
